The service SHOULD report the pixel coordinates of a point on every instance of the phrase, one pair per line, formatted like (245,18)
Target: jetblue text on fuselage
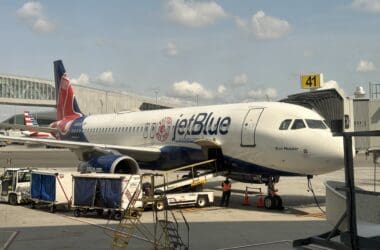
(201,124)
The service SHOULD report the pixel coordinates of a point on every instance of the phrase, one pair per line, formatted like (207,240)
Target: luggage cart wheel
(76,212)
(117,215)
(32,205)
(99,212)
(53,208)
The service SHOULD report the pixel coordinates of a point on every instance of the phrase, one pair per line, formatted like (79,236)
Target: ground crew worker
(226,187)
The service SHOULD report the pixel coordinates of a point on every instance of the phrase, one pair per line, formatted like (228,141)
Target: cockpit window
(285,124)
(298,123)
(318,124)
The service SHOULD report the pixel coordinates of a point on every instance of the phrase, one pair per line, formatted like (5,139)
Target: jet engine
(119,164)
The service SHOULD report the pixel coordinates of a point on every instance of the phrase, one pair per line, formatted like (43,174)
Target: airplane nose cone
(333,152)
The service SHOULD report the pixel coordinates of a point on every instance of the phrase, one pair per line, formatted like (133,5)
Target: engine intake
(118,164)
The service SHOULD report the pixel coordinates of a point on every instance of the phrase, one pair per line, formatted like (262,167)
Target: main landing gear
(272,200)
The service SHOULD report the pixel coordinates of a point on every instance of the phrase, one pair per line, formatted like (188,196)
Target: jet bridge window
(315,124)
(285,124)
(298,124)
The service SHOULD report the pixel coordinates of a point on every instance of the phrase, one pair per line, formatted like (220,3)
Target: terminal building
(16,90)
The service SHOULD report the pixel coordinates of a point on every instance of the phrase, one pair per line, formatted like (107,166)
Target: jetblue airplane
(255,142)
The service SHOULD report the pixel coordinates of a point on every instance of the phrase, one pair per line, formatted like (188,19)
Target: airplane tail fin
(28,119)
(67,106)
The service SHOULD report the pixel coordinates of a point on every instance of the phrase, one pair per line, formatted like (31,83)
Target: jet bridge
(330,104)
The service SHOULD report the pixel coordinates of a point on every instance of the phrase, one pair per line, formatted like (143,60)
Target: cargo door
(249,127)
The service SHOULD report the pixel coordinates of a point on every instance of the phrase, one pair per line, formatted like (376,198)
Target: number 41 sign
(311,81)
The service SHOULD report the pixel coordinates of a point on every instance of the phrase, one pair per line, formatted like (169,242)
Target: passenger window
(316,124)
(298,123)
(285,124)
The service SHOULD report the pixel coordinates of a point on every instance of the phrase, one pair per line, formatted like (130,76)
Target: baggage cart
(111,193)
(50,188)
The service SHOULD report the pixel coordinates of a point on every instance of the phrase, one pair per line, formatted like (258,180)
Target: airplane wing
(146,152)
(25,127)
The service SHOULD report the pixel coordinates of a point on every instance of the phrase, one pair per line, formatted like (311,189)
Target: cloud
(367,5)
(171,49)
(83,79)
(30,10)
(194,14)
(32,14)
(43,26)
(187,89)
(240,80)
(365,66)
(267,93)
(176,102)
(264,27)
(221,89)
(106,78)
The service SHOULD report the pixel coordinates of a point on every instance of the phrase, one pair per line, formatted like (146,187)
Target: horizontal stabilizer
(25,127)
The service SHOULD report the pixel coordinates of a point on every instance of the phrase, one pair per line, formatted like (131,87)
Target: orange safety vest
(226,186)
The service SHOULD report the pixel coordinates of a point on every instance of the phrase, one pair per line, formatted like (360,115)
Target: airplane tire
(202,201)
(269,202)
(12,199)
(277,202)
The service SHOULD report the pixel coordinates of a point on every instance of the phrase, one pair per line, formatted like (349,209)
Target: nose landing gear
(272,200)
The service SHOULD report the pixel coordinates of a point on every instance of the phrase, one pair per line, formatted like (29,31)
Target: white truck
(198,199)
(15,185)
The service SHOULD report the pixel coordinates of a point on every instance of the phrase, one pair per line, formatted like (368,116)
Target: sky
(217,51)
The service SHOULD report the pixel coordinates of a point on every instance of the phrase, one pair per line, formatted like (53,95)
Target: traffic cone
(245,200)
(260,201)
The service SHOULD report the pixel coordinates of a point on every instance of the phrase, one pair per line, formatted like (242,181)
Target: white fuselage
(247,133)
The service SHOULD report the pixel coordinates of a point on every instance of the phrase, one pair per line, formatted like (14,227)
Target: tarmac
(214,227)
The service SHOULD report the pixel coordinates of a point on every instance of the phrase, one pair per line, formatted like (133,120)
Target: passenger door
(249,127)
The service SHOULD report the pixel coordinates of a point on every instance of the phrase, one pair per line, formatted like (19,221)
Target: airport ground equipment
(199,199)
(165,233)
(346,226)
(198,174)
(15,185)
(98,193)
(51,188)
(246,195)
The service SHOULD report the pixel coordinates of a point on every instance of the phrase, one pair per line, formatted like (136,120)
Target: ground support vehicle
(50,188)
(198,199)
(15,185)
(111,193)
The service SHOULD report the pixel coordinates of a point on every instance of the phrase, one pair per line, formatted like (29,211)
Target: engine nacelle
(119,164)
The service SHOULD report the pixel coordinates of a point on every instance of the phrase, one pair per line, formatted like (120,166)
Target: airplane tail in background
(67,106)
(29,120)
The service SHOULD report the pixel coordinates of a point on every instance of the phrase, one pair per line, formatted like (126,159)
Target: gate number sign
(310,81)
